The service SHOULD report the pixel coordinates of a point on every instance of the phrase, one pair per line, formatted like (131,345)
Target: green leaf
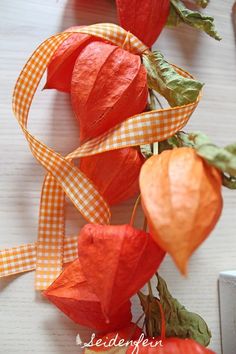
(193,139)
(194,18)
(179,321)
(231,148)
(229,182)
(221,158)
(173,19)
(163,78)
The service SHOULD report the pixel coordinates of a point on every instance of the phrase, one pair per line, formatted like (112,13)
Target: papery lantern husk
(60,68)
(181,198)
(117,261)
(71,294)
(109,85)
(145,19)
(114,173)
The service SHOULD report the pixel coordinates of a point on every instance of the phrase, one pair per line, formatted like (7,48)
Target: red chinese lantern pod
(181,198)
(109,85)
(114,173)
(115,87)
(71,294)
(60,68)
(145,19)
(169,346)
(117,261)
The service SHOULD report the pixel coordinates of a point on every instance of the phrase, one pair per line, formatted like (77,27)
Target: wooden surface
(27,322)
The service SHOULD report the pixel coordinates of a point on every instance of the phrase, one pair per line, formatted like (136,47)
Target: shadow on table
(7,281)
(187,42)
(64,336)
(233,17)
(84,12)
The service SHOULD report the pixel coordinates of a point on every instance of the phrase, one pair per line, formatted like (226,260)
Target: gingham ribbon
(22,259)
(50,234)
(64,177)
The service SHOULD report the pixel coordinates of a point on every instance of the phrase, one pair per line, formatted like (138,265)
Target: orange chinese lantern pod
(181,198)
(145,19)
(169,346)
(72,295)
(114,173)
(60,69)
(115,87)
(117,261)
(109,85)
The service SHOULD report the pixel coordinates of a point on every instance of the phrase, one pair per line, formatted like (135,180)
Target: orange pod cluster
(181,198)
(107,85)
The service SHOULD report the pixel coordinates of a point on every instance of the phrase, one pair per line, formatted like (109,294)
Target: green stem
(149,324)
(150,290)
(132,219)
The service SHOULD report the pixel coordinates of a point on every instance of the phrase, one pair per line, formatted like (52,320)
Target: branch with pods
(179,186)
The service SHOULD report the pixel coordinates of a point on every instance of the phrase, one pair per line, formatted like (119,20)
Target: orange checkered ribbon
(52,248)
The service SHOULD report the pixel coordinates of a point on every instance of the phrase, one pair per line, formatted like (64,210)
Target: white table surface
(27,322)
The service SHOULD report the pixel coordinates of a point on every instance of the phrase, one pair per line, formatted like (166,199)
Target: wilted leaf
(152,314)
(231,148)
(193,139)
(221,158)
(163,78)
(173,19)
(179,321)
(202,3)
(193,18)
(229,182)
